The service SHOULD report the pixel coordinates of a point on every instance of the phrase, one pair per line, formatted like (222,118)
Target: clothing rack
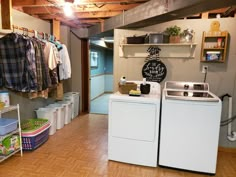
(44,35)
(26,31)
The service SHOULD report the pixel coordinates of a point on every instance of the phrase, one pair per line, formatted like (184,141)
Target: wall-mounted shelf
(214,47)
(170,50)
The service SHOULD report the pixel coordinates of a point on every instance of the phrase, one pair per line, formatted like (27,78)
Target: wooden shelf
(170,50)
(212,44)
(220,48)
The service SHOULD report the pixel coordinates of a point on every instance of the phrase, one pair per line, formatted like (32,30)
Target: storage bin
(51,115)
(35,132)
(60,115)
(7,125)
(136,39)
(68,110)
(155,38)
(74,98)
(213,55)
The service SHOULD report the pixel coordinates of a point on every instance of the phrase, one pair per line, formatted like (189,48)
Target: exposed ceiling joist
(54,9)
(84,9)
(96,15)
(130,13)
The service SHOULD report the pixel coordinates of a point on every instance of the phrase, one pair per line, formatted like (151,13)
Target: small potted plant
(174,33)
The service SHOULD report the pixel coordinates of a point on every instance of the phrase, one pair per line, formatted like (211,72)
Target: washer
(134,127)
(190,124)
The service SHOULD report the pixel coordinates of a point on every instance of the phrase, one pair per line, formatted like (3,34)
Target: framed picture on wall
(93,59)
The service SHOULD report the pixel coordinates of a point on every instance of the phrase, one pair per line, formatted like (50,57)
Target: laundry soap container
(4,97)
(68,110)
(51,115)
(60,115)
(74,97)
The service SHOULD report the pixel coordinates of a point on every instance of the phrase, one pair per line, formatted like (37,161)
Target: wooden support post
(205,15)
(6,6)
(56,29)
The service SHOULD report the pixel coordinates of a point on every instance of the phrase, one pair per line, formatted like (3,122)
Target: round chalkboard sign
(154,71)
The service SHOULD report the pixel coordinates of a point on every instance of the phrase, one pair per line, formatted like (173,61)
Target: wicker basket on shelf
(124,89)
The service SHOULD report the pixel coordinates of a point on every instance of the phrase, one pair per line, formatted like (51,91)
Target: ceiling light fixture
(76,2)
(68,9)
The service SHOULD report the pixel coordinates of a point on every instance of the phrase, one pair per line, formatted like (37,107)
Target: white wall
(76,75)
(97,83)
(108,80)
(100,84)
(221,76)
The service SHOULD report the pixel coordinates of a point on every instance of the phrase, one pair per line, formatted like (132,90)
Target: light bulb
(67,9)
(76,2)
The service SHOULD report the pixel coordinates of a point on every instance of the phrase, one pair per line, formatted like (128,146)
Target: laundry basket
(34,133)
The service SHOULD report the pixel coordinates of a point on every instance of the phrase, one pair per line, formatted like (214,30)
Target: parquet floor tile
(80,150)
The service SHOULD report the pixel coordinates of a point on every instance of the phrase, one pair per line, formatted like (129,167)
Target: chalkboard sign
(154,71)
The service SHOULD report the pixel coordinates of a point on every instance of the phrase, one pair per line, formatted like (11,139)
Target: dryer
(190,124)
(134,127)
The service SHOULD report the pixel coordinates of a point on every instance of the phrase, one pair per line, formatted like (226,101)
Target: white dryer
(190,124)
(134,127)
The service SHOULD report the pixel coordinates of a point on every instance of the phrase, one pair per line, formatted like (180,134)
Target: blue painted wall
(109,62)
(101,60)
(101,76)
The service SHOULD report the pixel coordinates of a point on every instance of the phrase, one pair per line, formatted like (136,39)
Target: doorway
(101,74)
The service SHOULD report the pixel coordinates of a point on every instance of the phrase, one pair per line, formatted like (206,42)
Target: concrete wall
(28,106)
(221,76)
(76,74)
(73,42)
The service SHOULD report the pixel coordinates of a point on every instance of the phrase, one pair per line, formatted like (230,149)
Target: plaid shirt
(43,77)
(17,71)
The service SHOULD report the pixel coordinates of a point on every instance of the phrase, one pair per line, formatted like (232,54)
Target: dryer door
(132,120)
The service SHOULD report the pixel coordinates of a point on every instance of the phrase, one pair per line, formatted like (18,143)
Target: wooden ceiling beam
(82,15)
(82,2)
(52,10)
(30,3)
(93,21)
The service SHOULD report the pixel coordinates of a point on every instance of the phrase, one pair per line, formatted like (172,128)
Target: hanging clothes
(65,67)
(23,65)
(15,65)
(53,59)
(43,77)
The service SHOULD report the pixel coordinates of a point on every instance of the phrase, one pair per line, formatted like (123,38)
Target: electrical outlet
(204,69)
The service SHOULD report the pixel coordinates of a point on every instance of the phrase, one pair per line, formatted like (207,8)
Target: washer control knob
(186,86)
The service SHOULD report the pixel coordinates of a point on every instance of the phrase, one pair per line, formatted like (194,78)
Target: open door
(85,75)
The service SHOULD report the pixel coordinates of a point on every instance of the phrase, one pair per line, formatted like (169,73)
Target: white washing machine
(134,127)
(190,124)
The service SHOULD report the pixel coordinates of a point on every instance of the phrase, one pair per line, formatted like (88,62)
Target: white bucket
(68,112)
(61,114)
(74,97)
(4,97)
(51,115)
